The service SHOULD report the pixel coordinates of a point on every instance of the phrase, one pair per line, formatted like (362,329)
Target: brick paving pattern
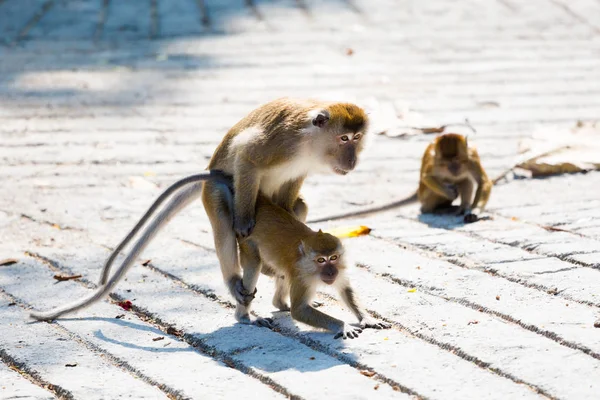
(103,103)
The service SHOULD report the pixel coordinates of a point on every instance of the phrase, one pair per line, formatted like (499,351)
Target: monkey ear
(320,232)
(301,249)
(321,119)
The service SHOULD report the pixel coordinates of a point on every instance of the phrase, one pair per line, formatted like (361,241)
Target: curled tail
(372,210)
(180,201)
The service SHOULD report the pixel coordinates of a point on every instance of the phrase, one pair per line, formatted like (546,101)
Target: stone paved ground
(104,103)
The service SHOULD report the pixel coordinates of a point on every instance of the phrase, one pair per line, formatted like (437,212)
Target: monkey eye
(333,258)
(357,136)
(321,260)
(344,138)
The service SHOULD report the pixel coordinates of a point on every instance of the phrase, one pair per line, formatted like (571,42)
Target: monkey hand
(451,192)
(348,331)
(243,226)
(470,218)
(242,295)
(374,324)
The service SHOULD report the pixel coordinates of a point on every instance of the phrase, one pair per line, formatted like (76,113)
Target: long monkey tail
(384,207)
(180,201)
(214,175)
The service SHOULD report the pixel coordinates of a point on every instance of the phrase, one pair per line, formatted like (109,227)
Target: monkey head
(451,154)
(341,127)
(322,256)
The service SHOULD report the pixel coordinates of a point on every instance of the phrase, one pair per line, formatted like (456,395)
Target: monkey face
(346,152)
(327,268)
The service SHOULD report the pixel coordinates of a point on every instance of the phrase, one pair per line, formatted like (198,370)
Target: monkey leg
(251,264)
(282,294)
(300,209)
(432,202)
(465,189)
(218,203)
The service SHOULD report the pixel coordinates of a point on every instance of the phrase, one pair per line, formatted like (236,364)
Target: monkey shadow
(282,349)
(447,219)
(158,348)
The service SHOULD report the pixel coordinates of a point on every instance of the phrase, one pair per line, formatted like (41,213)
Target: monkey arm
(349,297)
(288,198)
(246,183)
(437,187)
(302,311)
(484,184)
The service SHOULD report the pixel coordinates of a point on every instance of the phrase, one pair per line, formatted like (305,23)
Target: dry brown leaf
(349,231)
(62,278)
(156,339)
(474,322)
(597,324)
(146,263)
(368,373)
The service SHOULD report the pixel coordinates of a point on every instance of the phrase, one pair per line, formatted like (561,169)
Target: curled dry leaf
(349,231)
(125,305)
(120,316)
(71,365)
(597,324)
(368,373)
(156,339)
(146,263)
(174,332)
(474,322)
(8,261)
(62,278)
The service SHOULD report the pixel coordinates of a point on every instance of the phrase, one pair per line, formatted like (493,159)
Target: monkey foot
(470,218)
(263,322)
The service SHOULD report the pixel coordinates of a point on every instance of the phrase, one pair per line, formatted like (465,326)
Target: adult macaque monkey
(449,169)
(299,259)
(270,151)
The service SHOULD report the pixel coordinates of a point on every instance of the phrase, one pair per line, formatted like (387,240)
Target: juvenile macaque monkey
(449,169)
(299,259)
(270,151)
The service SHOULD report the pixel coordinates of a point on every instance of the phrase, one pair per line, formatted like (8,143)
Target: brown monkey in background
(449,169)
(270,151)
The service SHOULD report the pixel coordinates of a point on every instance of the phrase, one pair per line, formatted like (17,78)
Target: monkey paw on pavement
(374,324)
(348,332)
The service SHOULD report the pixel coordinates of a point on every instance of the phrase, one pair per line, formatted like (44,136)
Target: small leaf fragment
(125,305)
(156,339)
(474,322)
(368,373)
(71,365)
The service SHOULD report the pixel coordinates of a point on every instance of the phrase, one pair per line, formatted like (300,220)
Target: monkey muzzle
(340,171)
(329,273)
